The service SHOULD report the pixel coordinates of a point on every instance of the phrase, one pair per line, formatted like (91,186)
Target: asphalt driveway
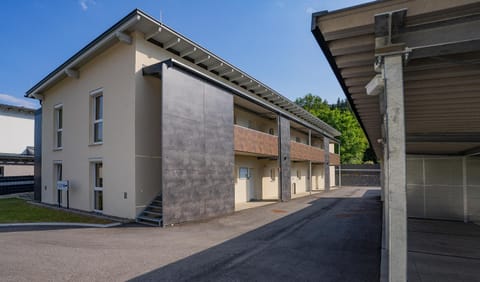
(333,236)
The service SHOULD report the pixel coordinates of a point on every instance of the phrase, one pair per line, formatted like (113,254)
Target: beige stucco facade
(263,182)
(112,71)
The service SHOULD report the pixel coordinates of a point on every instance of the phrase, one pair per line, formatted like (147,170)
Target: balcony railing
(334,159)
(300,151)
(252,141)
(256,142)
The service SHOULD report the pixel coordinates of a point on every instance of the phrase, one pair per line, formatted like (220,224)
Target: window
(299,174)
(58,126)
(2,171)
(298,140)
(272,174)
(97,116)
(58,170)
(271,131)
(244,173)
(98,186)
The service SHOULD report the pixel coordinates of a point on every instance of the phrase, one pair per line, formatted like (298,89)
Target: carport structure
(411,73)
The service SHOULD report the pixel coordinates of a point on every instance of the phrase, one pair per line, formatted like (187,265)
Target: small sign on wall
(63,185)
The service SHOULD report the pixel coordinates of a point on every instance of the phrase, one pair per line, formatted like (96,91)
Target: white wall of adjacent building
(16,131)
(17,170)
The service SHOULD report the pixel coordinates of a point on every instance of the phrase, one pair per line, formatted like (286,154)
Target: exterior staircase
(152,215)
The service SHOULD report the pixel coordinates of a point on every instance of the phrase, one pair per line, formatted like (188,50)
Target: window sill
(57,149)
(95,144)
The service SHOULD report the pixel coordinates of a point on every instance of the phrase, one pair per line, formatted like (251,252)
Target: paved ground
(331,236)
(443,251)
(335,239)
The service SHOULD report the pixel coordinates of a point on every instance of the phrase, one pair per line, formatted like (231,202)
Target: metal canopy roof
(441,40)
(168,39)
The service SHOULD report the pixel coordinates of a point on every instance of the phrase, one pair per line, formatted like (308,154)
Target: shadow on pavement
(334,239)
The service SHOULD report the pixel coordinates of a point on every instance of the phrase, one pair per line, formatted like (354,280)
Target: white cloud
(84,4)
(15,101)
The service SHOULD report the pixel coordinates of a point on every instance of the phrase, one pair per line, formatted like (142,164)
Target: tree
(353,140)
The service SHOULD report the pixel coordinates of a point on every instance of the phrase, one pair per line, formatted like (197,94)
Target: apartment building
(144,123)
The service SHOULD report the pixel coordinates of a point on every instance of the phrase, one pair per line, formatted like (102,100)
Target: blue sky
(268,39)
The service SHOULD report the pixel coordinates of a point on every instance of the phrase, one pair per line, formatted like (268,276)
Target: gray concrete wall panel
(326,148)
(197,143)
(284,160)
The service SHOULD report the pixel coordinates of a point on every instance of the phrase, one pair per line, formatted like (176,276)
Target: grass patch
(14,210)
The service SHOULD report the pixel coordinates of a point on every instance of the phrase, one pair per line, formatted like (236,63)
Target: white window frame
(94,163)
(94,94)
(56,117)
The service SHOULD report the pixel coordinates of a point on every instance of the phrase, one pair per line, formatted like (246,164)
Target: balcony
(247,140)
(303,152)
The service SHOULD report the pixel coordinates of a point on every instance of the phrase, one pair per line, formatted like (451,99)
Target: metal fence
(16,184)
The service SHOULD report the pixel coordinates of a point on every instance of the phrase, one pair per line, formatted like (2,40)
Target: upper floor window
(58,126)
(97,116)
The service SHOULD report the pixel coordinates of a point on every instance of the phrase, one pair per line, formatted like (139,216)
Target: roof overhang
(17,109)
(440,42)
(168,39)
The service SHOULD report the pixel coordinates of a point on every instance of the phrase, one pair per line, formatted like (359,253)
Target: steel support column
(395,169)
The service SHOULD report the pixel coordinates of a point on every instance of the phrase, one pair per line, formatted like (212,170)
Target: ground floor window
(244,173)
(58,170)
(98,186)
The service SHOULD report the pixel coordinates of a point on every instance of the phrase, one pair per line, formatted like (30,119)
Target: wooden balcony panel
(255,142)
(334,159)
(303,152)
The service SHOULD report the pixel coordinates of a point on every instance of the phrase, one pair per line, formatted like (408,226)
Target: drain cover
(279,211)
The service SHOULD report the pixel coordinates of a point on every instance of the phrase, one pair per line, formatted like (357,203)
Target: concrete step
(149,220)
(152,215)
(152,212)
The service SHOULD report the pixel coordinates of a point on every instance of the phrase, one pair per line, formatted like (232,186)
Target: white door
(241,187)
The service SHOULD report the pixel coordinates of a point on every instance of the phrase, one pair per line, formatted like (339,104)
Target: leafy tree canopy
(353,141)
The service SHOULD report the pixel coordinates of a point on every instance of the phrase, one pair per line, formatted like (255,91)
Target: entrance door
(244,188)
